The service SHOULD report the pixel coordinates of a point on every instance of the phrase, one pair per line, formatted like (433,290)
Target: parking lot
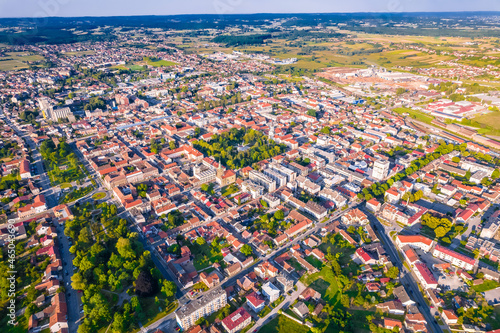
(446,281)
(492,296)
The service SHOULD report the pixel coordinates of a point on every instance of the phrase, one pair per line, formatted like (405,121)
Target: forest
(112,261)
(224,147)
(241,40)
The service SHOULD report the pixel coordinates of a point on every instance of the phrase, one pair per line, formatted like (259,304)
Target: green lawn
(314,261)
(488,123)
(153,311)
(21,327)
(76,194)
(265,311)
(200,285)
(325,283)
(137,68)
(203,256)
(98,195)
(161,63)
(415,114)
(65,185)
(486,285)
(282,324)
(230,189)
(295,264)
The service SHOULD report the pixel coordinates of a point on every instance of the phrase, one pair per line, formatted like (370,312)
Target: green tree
(200,241)
(279,215)
(124,248)
(169,288)
(118,325)
(392,272)
(246,250)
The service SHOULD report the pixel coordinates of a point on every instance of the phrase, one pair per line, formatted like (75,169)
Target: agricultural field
(415,114)
(489,124)
(160,63)
(17,60)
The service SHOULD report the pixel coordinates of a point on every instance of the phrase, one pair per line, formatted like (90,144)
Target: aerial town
(155,189)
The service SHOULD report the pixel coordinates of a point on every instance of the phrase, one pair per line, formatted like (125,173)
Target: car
(81,311)
(66,272)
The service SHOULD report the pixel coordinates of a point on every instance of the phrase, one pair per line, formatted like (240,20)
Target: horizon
(261,13)
(127,8)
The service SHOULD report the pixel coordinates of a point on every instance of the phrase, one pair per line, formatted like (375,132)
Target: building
(301,309)
(272,200)
(236,321)
(380,169)
(450,317)
(56,114)
(209,303)
(355,216)
(425,276)
(316,210)
(415,241)
(225,177)
(271,291)
(255,302)
(276,176)
(454,258)
(24,169)
(38,206)
(402,296)
(263,180)
(204,176)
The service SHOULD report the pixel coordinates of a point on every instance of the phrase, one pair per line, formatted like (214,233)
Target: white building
(263,180)
(380,169)
(454,258)
(271,291)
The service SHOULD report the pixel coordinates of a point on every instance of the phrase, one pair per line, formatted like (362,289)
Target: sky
(43,8)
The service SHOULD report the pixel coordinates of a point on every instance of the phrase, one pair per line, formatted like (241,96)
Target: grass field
(203,256)
(415,114)
(325,283)
(333,53)
(489,123)
(98,195)
(161,63)
(65,185)
(17,60)
(486,285)
(132,67)
(282,324)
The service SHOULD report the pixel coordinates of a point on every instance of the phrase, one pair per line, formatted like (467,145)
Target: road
(182,295)
(72,298)
(406,277)
(289,299)
(44,182)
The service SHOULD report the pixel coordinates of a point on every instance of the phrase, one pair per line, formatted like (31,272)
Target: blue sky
(42,8)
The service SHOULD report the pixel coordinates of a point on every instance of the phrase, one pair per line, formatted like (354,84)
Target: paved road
(289,299)
(44,181)
(72,298)
(406,277)
(183,298)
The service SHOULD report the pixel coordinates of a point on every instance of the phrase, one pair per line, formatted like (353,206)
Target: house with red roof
(255,302)
(427,280)
(415,241)
(455,258)
(236,321)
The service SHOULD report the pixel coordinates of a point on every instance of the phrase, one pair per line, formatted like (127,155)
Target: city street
(408,280)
